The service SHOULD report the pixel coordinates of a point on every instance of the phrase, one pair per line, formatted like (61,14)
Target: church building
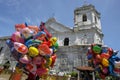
(73,43)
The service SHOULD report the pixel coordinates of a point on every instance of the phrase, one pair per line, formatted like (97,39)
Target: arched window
(84,17)
(66,42)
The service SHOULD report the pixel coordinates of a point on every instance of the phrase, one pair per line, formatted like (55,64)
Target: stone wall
(69,57)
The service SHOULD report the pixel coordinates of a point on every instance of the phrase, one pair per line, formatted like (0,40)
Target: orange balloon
(19,27)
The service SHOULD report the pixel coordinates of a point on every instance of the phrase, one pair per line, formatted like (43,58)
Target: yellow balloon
(53,40)
(50,61)
(33,51)
(105,62)
(18,70)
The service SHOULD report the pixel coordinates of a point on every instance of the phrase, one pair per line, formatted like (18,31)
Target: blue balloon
(89,56)
(39,34)
(9,43)
(32,42)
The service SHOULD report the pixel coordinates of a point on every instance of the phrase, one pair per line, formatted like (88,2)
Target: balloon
(89,56)
(37,60)
(41,71)
(26,33)
(48,62)
(105,70)
(117,64)
(51,50)
(43,28)
(33,42)
(40,35)
(53,59)
(33,51)
(98,57)
(56,45)
(44,49)
(16,37)
(53,40)
(25,59)
(46,43)
(34,29)
(31,68)
(97,49)
(105,62)
(105,55)
(18,70)
(104,50)
(19,27)
(9,43)
(117,70)
(111,70)
(21,48)
(110,51)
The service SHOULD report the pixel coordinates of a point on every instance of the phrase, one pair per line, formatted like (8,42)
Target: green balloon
(56,45)
(97,49)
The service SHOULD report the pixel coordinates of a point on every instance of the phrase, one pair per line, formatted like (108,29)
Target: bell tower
(87,20)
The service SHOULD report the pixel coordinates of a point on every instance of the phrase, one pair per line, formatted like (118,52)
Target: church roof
(53,26)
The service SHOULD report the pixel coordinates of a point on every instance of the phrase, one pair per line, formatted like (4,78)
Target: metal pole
(93,75)
(78,75)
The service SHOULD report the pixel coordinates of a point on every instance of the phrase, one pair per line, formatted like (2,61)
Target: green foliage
(73,74)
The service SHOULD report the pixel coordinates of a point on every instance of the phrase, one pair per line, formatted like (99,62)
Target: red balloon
(37,60)
(105,55)
(110,51)
(53,59)
(44,49)
(98,57)
(41,71)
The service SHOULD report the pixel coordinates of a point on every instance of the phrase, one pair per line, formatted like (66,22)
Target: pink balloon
(25,59)
(105,70)
(16,37)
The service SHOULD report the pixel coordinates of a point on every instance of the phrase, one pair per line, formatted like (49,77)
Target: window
(66,42)
(84,17)
(95,19)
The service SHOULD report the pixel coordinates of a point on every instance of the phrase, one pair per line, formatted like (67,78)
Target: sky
(34,11)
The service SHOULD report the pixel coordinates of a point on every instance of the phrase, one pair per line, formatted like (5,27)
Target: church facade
(73,43)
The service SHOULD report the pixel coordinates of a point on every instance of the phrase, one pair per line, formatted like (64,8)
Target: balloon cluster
(103,59)
(33,48)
